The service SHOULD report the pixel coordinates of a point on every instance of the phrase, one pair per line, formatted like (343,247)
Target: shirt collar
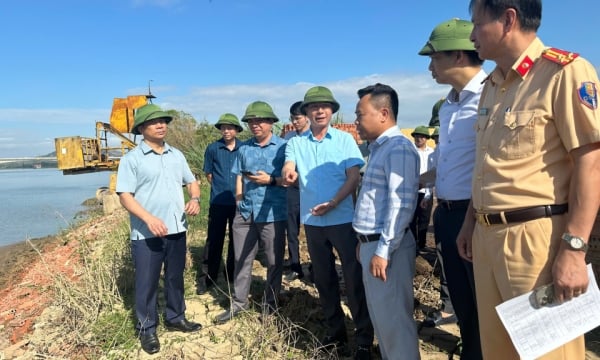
(328,134)
(472,87)
(223,145)
(146,148)
(522,67)
(381,139)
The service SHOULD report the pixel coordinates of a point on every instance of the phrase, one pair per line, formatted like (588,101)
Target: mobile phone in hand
(247,173)
(543,296)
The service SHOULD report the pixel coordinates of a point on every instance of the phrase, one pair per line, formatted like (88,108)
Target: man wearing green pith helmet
(261,210)
(455,62)
(219,158)
(149,183)
(326,163)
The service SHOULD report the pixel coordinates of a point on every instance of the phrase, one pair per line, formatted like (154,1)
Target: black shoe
(363,353)
(293,275)
(436,319)
(183,325)
(203,287)
(338,344)
(150,343)
(227,315)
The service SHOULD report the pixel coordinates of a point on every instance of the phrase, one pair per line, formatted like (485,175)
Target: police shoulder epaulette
(559,56)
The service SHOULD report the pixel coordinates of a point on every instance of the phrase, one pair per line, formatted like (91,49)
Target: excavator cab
(77,155)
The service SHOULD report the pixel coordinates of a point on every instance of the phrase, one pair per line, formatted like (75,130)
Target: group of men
(518,154)
(517,168)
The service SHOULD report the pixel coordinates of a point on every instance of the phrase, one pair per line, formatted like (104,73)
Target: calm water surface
(41,202)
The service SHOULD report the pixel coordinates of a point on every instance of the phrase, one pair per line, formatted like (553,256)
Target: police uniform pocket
(517,135)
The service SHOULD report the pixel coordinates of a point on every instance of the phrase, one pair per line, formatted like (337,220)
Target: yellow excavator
(79,155)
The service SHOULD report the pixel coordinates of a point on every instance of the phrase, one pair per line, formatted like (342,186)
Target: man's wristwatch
(273,181)
(196,199)
(575,242)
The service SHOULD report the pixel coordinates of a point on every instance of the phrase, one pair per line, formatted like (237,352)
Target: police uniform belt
(453,204)
(522,215)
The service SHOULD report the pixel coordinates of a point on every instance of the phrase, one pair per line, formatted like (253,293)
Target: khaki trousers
(510,260)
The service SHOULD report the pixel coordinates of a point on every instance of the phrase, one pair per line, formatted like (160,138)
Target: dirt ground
(24,295)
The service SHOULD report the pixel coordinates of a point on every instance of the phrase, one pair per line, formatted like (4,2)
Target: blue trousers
(149,256)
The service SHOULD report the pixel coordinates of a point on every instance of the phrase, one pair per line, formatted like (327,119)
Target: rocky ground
(26,304)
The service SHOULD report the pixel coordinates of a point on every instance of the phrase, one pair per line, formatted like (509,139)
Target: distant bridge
(36,158)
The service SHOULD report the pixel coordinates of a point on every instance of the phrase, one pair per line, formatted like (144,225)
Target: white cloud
(31,132)
(417,94)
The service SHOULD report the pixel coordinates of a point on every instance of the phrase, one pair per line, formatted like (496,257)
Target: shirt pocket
(517,135)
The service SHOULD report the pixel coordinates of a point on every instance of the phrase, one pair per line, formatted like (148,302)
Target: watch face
(576,243)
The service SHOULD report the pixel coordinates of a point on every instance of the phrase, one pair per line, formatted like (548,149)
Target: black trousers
(459,276)
(293,228)
(420,222)
(321,241)
(219,217)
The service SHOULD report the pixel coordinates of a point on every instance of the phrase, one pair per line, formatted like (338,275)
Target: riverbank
(16,257)
(35,319)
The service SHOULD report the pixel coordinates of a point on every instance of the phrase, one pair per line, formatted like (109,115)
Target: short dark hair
(381,95)
(529,12)
(295,108)
(471,55)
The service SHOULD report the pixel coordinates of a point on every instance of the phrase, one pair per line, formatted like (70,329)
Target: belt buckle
(482,219)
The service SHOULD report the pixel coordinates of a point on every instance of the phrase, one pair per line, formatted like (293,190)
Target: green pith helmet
(421,130)
(436,131)
(146,113)
(229,119)
(319,94)
(450,35)
(435,113)
(259,110)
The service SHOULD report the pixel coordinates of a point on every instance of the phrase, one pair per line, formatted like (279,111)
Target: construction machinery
(77,155)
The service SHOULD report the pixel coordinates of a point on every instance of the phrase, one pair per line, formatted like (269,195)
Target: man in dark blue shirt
(219,158)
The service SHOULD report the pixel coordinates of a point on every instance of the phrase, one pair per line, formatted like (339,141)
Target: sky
(63,61)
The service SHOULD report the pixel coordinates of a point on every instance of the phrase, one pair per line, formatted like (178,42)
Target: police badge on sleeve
(588,95)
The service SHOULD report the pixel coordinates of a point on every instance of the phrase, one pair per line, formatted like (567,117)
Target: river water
(39,202)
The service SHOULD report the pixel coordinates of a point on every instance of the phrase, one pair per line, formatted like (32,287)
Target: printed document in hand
(535,332)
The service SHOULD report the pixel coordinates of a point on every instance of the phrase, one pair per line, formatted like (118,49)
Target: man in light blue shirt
(149,184)
(384,209)
(327,162)
(261,212)
(454,61)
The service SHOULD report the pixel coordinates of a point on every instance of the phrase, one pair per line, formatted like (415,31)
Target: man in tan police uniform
(538,151)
